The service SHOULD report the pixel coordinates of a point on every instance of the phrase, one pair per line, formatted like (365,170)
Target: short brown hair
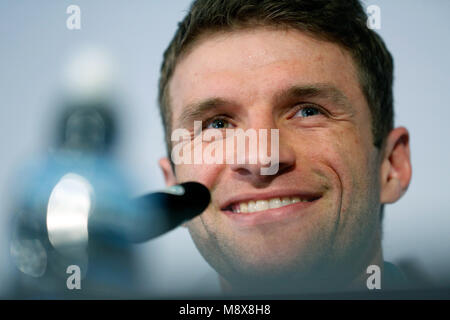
(339,21)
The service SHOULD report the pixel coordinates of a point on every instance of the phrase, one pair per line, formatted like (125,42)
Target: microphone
(84,225)
(153,215)
(164,211)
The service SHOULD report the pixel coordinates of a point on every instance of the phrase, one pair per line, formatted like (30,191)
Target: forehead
(251,65)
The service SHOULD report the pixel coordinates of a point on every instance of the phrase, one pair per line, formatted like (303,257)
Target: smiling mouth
(245,207)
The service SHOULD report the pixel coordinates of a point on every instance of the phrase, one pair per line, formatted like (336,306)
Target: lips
(269,208)
(262,202)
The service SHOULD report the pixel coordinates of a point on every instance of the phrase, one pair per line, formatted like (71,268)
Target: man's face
(309,90)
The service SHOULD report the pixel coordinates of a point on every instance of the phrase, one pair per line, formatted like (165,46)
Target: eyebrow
(196,110)
(318,90)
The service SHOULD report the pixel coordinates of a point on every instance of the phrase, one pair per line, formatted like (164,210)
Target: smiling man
(315,73)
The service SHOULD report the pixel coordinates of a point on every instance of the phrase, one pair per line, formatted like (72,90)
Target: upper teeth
(261,205)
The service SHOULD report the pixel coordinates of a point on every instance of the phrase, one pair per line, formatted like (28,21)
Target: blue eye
(307,112)
(218,123)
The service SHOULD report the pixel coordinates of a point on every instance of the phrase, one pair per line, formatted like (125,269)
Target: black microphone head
(196,196)
(164,211)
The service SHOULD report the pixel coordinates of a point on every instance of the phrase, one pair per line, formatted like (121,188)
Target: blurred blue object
(73,207)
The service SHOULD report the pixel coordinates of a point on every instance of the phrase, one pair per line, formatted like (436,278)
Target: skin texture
(329,243)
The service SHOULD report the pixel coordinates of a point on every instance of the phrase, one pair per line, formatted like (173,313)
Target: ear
(395,166)
(169,175)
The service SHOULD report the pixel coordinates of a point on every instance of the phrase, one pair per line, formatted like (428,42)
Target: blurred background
(37,58)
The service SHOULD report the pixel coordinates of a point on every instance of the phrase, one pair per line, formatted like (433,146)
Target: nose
(271,158)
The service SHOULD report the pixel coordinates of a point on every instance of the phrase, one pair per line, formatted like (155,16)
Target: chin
(273,270)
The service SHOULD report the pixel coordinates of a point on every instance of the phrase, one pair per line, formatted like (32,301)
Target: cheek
(205,174)
(208,175)
(202,160)
(346,158)
(353,161)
